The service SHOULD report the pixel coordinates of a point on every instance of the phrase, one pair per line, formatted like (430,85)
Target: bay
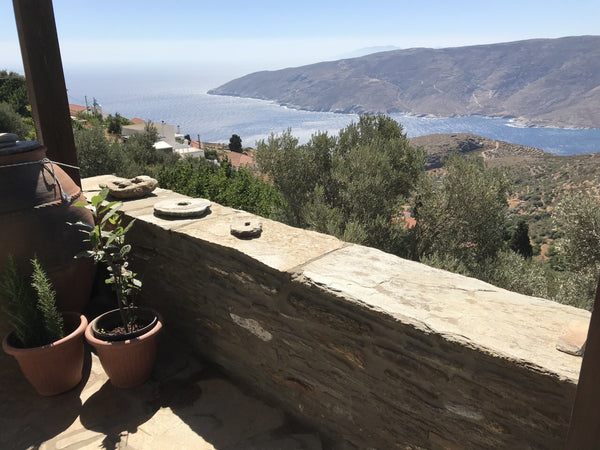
(179,97)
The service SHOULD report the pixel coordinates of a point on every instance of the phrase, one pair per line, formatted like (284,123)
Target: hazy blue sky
(251,35)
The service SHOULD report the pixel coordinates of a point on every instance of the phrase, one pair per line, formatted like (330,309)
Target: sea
(179,97)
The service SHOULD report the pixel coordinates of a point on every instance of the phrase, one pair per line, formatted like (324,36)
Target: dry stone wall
(373,350)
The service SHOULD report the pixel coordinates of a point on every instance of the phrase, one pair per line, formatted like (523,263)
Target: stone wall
(373,350)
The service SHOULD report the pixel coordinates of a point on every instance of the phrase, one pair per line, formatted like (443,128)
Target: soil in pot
(109,326)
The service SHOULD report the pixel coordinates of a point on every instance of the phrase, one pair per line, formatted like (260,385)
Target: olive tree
(296,170)
(95,153)
(578,217)
(461,215)
(351,185)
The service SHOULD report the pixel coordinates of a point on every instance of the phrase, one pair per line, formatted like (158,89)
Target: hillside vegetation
(510,215)
(539,180)
(459,202)
(542,81)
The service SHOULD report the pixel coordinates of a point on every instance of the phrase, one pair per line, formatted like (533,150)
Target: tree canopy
(12,122)
(351,185)
(462,215)
(578,216)
(13,90)
(235,143)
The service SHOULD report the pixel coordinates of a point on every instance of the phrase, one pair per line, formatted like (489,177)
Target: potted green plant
(47,345)
(126,337)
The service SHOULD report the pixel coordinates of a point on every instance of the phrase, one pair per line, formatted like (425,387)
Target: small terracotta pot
(127,363)
(57,367)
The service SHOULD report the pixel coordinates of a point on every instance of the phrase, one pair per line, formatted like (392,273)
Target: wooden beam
(46,81)
(584,430)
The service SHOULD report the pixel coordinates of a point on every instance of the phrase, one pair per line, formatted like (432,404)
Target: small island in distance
(541,82)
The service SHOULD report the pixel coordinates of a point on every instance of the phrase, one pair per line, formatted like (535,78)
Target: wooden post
(46,81)
(584,430)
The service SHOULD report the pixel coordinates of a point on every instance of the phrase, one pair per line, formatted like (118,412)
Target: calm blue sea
(179,98)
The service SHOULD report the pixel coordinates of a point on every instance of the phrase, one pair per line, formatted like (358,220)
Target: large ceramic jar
(36,204)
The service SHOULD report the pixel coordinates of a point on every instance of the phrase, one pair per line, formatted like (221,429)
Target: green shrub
(238,189)
(575,288)
(211,154)
(509,270)
(12,122)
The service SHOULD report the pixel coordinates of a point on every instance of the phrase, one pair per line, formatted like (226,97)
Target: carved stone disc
(188,207)
(246,228)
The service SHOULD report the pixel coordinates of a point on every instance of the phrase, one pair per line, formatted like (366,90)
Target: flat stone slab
(459,308)
(280,246)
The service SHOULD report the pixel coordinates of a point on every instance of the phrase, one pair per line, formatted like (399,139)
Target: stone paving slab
(186,405)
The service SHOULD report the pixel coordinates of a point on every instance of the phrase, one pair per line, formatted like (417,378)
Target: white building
(167,139)
(166,132)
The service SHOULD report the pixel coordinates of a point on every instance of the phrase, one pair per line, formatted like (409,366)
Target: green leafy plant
(107,241)
(30,307)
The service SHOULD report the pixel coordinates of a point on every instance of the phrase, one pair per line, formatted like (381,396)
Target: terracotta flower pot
(57,367)
(128,363)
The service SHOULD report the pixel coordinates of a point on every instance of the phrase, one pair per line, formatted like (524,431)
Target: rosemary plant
(30,307)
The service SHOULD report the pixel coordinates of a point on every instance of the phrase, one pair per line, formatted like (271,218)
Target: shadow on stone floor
(186,405)
(28,419)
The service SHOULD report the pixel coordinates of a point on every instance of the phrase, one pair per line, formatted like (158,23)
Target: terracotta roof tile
(239,159)
(74,109)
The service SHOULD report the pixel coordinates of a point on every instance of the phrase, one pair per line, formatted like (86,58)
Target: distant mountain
(369,50)
(542,81)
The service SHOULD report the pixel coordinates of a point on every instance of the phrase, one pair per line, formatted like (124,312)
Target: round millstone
(246,228)
(130,188)
(189,207)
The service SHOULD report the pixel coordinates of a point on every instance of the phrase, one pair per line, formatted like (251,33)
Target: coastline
(216,117)
(512,121)
(522,122)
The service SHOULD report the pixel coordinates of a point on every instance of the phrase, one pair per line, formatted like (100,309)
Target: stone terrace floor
(185,405)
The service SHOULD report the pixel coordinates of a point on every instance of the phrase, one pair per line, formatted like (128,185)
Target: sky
(238,37)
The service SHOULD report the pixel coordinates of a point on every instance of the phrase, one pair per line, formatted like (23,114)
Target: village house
(167,138)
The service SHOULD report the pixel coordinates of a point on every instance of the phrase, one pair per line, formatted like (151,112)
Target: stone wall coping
(474,313)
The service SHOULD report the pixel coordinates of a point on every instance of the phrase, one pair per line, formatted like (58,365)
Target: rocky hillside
(496,153)
(542,81)
(539,179)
